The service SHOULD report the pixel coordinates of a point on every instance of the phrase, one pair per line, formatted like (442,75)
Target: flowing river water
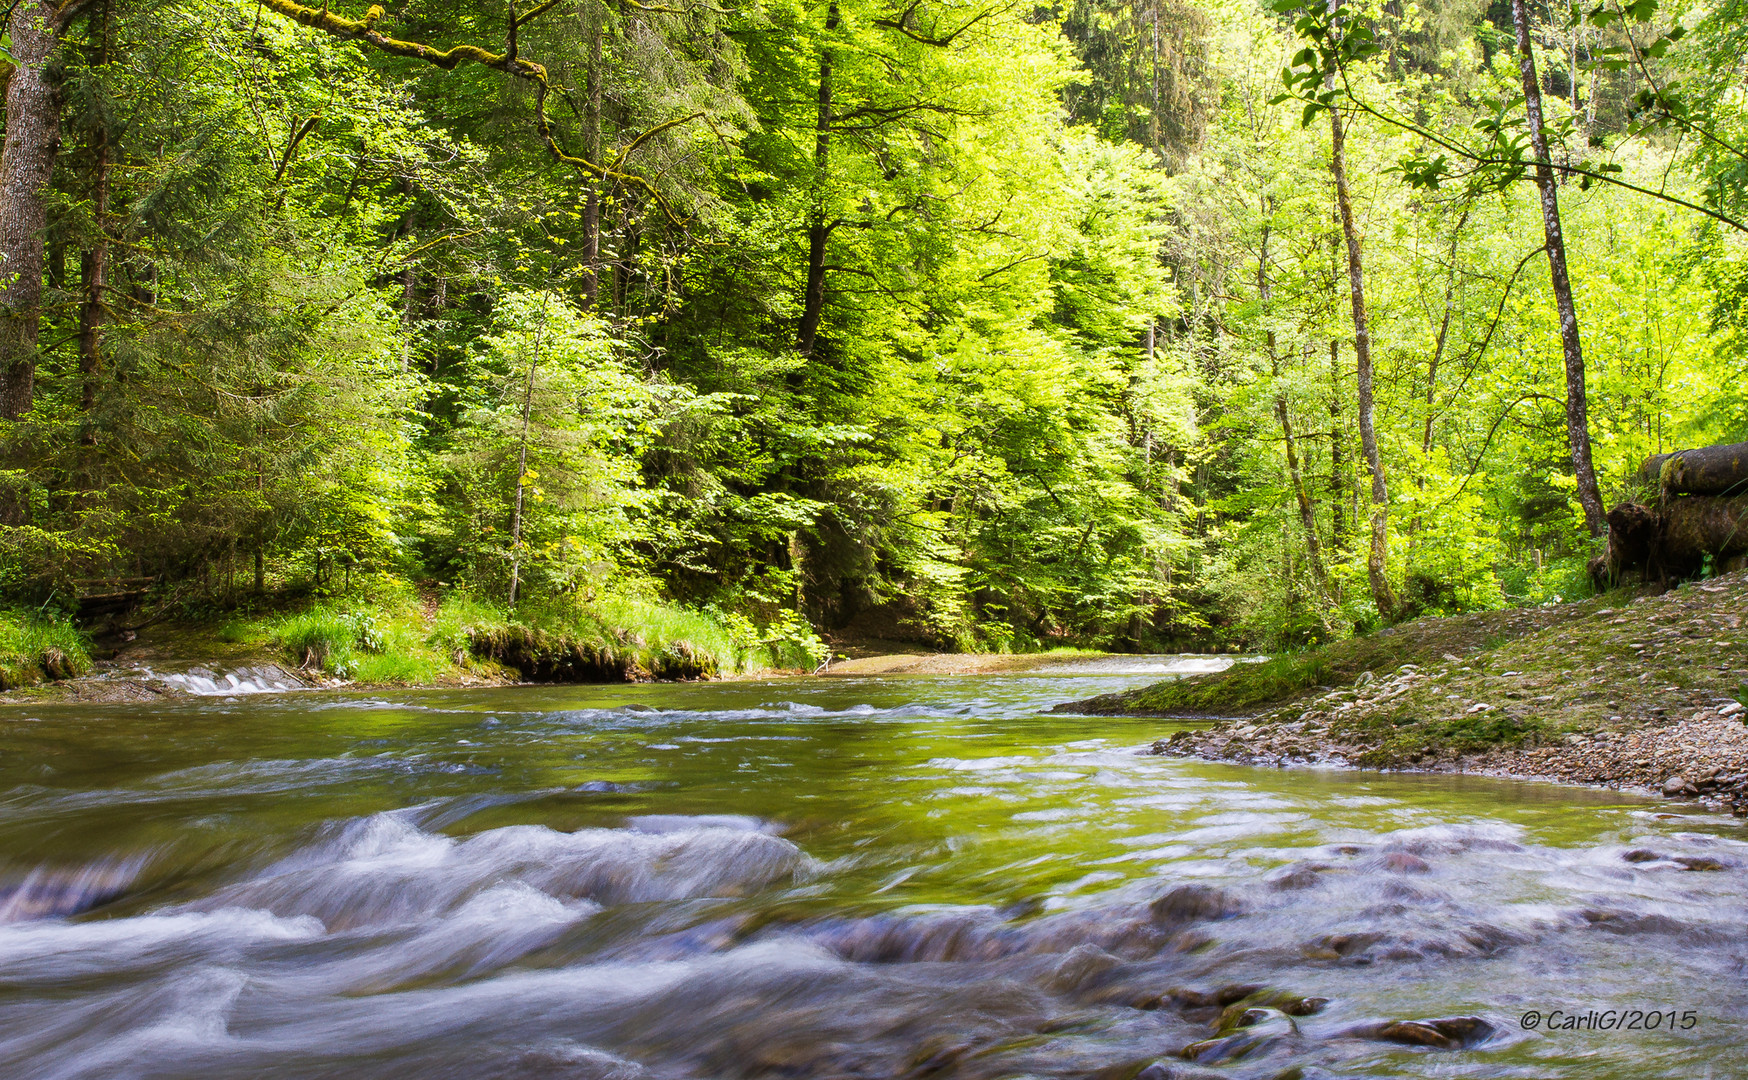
(880,877)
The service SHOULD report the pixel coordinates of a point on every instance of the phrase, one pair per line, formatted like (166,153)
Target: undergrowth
(621,638)
(34,648)
(392,638)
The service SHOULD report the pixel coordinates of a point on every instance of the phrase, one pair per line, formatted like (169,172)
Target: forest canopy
(1132,323)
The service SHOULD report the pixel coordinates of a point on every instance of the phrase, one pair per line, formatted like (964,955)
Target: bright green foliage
(1001,346)
(330,639)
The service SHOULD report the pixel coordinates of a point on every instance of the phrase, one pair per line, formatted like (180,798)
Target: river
(879,877)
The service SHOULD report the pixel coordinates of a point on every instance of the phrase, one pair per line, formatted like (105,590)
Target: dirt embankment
(1620,690)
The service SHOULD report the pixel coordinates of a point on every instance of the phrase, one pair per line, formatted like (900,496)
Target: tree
(1377,554)
(27,163)
(1577,403)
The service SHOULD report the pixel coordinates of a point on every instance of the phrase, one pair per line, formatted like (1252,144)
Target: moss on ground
(1615,664)
(1246,687)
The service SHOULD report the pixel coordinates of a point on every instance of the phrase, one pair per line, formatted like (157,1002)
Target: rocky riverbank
(1628,691)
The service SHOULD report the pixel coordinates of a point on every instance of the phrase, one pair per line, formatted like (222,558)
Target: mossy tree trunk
(33,141)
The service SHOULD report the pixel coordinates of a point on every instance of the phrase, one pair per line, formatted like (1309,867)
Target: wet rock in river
(1187,999)
(1195,903)
(1301,876)
(1259,1031)
(1081,966)
(1449,1033)
(1401,862)
(1235,1015)
(1339,946)
(1641,855)
(1617,921)
(1701,862)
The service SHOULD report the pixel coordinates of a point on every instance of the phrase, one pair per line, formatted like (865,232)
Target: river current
(880,877)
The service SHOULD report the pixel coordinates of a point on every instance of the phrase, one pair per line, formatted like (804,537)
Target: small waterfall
(203,682)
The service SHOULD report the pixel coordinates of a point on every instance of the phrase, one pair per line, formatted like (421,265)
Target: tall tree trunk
(94,261)
(1444,331)
(1307,515)
(1376,570)
(33,139)
(592,149)
(1577,403)
(1337,460)
(408,279)
(818,232)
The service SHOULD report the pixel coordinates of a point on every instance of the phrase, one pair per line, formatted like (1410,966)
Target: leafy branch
(510,62)
(1318,77)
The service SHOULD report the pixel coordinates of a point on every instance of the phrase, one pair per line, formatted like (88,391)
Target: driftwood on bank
(1697,513)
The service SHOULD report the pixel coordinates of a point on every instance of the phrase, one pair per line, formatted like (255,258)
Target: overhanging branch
(508,62)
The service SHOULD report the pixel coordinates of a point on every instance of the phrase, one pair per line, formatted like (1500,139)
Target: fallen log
(1706,470)
(1696,527)
(1675,541)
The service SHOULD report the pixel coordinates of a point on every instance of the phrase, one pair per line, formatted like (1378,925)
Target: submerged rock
(1448,1033)
(1195,903)
(1254,1031)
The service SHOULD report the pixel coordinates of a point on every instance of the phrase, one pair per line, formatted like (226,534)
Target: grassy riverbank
(1622,689)
(36,649)
(386,633)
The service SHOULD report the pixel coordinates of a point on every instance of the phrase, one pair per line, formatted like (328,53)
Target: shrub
(330,639)
(33,648)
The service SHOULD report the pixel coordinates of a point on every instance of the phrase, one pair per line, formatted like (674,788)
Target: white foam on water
(257,680)
(383,871)
(103,946)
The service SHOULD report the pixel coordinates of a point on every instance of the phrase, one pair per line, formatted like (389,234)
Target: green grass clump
(331,639)
(1239,687)
(33,648)
(566,639)
(405,668)
(321,638)
(384,640)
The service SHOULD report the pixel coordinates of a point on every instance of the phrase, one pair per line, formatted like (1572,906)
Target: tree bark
(94,262)
(1337,459)
(1376,568)
(1307,514)
(33,139)
(592,148)
(1577,403)
(1709,470)
(1675,540)
(94,275)
(818,232)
